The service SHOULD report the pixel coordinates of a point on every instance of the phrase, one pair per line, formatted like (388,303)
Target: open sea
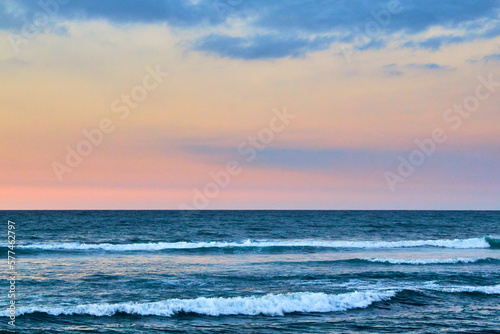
(253,272)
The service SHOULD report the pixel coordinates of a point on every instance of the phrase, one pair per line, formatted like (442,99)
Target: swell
(269,304)
(472,243)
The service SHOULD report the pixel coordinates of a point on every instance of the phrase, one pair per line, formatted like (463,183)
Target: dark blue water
(254,271)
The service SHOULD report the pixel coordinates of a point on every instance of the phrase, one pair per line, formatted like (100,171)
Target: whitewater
(471,243)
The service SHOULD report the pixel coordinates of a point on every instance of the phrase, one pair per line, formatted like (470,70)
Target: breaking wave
(271,304)
(455,243)
(489,290)
(493,241)
(428,261)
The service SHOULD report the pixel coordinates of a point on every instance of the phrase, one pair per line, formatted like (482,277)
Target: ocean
(253,272)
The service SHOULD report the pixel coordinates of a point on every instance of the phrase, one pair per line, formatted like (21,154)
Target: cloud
(493,57)
(13,63)
(430,66)
(260,46)
(435,43)
(392,70)
(415,15)
(323,159)
(174,12)
(297,159)
(310,25)
(361,160)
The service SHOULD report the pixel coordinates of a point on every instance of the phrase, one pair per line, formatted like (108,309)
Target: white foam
(427,261)
(490,290)
(271,304)
(456,243)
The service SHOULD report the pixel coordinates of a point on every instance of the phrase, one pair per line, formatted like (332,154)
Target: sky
(246,104)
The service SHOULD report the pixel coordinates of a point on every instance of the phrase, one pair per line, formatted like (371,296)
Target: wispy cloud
(392,70)
(493,57)
(398,70)
(260,46)
(311,25)
(430,66)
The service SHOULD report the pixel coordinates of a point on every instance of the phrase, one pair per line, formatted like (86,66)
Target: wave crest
(271,304)
(456,243)
(427,261)
(494,242)
(489,290)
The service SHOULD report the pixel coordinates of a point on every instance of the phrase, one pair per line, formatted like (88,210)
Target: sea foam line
(456,243)
(426,261)
(489,290)
(270,304)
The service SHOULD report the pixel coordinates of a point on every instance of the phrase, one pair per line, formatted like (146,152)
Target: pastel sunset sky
(363,80)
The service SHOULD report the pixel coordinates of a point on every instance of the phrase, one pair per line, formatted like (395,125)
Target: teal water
(255,271)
